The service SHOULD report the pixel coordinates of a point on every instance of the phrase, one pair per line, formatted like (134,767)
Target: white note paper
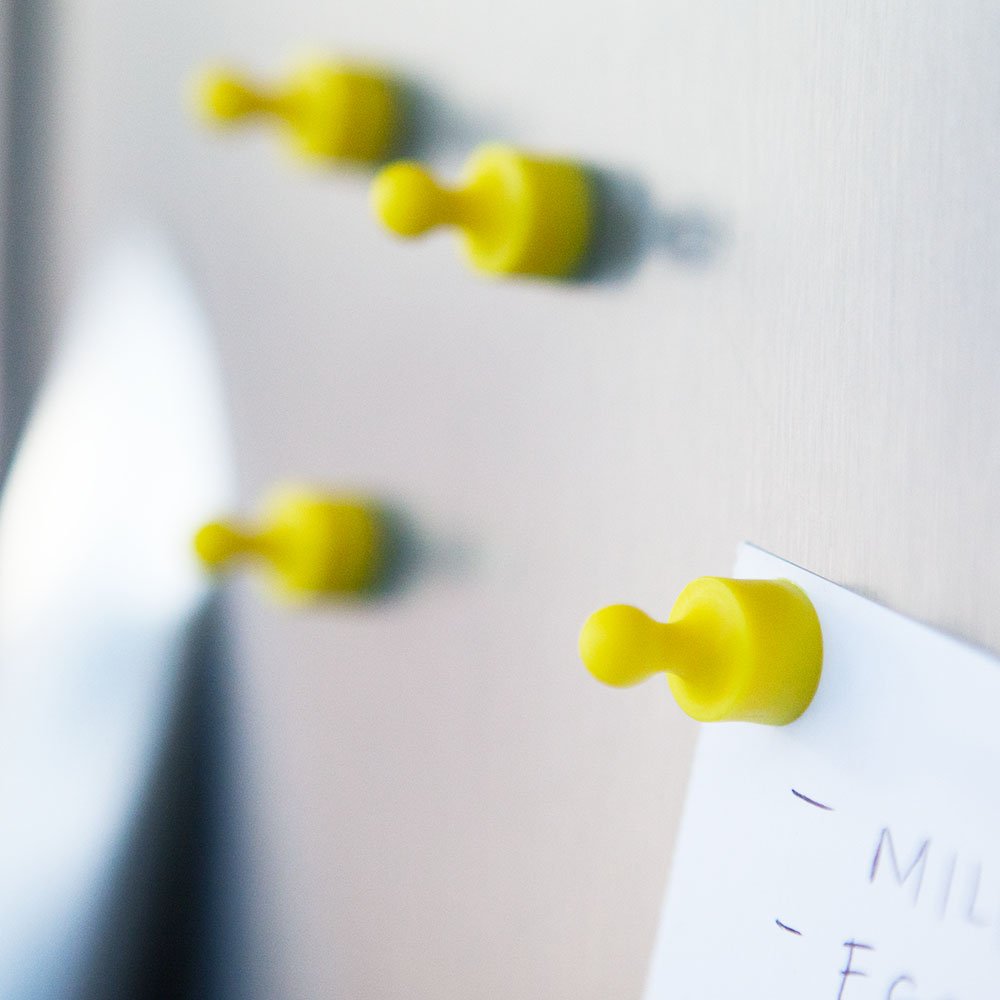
(855,854)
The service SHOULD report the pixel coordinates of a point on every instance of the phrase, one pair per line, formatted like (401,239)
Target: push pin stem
(229,97)
(219,542)
(622,646)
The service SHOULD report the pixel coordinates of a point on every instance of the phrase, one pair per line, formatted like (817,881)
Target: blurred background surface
(439,801)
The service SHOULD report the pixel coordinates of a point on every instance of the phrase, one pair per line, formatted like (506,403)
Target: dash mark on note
(785,927)
(812,802)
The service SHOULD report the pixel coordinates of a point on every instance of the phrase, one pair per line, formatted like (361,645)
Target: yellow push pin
(314,544)
(518,214)
(330,111)
(747,650)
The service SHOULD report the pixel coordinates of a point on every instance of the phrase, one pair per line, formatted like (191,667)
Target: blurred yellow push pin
(747,650)
(518,214)
(314,544)
(330,111)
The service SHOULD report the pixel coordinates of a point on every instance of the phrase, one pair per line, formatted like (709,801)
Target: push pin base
(536,214)
(341,113)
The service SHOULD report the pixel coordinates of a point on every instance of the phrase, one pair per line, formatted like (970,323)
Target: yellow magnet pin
(517,213)
(313,544)
(327,110)
(747,650)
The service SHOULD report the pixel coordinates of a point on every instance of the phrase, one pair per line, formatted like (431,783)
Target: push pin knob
(747,650)
(313,544)
(518,214)
(329,111)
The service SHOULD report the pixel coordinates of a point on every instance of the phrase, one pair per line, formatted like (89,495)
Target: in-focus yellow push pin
(330,111)
(518,214)
(314,544)
(747,650)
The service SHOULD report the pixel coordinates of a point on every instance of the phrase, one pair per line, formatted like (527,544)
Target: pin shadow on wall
(629,227)
(430,124)
(415,554)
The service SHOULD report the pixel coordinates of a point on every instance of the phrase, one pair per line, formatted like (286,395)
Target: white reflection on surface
(126,453)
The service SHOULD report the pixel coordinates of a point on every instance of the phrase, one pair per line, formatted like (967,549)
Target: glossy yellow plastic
(518,214)
(746,650)
(329,111)
(313,544)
